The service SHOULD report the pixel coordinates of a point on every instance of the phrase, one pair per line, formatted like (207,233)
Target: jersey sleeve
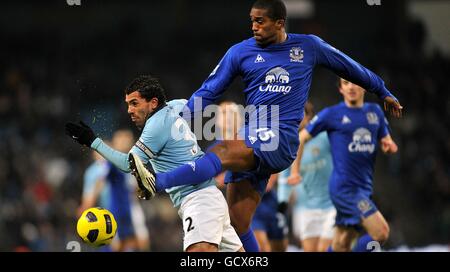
(217,82)
(119,159)
(153,138)
(346,67)
(319,123)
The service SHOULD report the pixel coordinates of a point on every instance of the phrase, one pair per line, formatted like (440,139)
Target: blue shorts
(274,149)
(274,226)
(267,218)
(125,228)
(352,205)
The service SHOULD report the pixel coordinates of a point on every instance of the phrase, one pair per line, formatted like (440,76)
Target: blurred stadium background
(61,62)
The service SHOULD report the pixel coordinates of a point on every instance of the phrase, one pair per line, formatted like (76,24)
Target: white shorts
(138,219)
(309,223)
(206,219)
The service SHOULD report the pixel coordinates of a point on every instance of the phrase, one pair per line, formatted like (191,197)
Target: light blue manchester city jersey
(316,168)
(170,143)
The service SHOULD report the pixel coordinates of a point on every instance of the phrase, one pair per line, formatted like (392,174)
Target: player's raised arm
(347,68)
(216,83)
(84,135)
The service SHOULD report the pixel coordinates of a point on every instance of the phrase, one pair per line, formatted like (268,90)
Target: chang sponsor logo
(362,141)
(274,78)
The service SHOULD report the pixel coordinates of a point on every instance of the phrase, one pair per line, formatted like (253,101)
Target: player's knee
(234,156)
(202,247)
(382,234)
(240,222)
(341,245)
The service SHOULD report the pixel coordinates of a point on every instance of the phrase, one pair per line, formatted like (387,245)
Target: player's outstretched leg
(144,177)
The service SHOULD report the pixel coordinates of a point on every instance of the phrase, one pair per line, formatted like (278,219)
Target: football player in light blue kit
(355,130)
(277,69)
(167,142)
(313,214)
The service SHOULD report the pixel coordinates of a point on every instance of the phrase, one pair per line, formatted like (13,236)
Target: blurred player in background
(167,142)
(114,190)
(313,214)
(268,223)
(228,122)
(127,211)
(355,130)
(95,189)
(277,69)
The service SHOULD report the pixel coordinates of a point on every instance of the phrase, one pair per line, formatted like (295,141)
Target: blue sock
(249,241)
(196,172)
(361,244)
(330,249)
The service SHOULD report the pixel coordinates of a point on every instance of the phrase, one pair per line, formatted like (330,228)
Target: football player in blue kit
(313,213)
(355,130)
(277,69)
(269,222)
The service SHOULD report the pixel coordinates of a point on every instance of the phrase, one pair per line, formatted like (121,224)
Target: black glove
(81,133)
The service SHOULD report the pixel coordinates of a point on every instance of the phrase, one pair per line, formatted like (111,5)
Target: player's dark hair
(149,87)
(338,82)
(275,8)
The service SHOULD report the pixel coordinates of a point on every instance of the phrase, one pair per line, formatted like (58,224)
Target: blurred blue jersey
(167,142)
(280,74)
(120,202)
(354,134)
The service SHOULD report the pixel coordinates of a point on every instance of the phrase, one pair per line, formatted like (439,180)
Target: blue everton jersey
(354,134)
(120,203)
(168,142)
(280,74)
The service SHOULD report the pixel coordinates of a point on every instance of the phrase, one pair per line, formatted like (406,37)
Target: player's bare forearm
(272,180)
(295,177)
